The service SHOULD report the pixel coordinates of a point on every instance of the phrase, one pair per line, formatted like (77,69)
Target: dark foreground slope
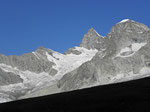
(129,96)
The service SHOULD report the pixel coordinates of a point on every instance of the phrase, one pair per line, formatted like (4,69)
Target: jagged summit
(92,30)
(91,39)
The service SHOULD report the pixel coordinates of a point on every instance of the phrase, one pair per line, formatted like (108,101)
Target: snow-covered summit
(124,20)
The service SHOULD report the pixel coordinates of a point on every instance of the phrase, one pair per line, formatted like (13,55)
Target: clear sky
(61,24)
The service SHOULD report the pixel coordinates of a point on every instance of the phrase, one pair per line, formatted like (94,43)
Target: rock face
(123,53)
(34,62)
(9,78)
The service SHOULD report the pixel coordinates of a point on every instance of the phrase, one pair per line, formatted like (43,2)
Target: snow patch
(36,55)
(145,70)
(51,58)
(126,49)
(8,68)
(124,20)
(27,76)
(137,46)
(130,50)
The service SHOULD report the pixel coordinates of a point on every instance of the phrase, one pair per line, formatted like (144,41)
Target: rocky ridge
(122,54)
(34,71)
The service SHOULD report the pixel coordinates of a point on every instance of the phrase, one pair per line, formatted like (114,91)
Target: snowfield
(69,62)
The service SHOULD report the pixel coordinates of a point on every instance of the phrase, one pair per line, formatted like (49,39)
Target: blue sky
(61,24)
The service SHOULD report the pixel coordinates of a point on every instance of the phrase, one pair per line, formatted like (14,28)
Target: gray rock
(27,62)
(72,51)
(91,40)
(30,62)
(9,78)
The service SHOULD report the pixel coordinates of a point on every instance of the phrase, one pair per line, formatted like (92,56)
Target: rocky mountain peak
(93,31)
(41,50)
(128,32)
(130,26)
(91,40)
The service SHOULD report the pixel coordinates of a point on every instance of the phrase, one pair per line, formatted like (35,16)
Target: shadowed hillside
(129,96)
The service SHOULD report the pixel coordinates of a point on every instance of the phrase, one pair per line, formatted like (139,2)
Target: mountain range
(120,56)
